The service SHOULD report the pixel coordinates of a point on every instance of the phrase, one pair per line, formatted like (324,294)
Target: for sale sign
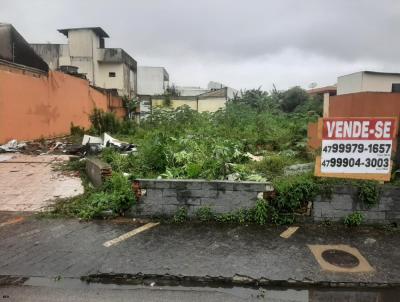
(357,145)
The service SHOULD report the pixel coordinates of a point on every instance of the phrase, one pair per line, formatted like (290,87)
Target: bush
(115,196)
(354,219)
(104,122)
(260,212)
(181,215)
(204,214)
(293,192)
(368,193)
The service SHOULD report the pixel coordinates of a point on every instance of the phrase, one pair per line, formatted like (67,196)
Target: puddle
(245,293)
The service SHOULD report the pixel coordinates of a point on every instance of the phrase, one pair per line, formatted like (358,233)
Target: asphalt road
(77,291)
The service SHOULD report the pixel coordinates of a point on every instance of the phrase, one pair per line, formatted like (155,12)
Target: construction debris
(90,145)
(95,144)
(12,146)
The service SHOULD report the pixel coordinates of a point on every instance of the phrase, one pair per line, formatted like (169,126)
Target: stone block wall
(165,196)
(344,202)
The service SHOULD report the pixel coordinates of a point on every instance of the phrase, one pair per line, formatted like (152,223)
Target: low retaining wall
(344,202)
(97,171)
(164,197)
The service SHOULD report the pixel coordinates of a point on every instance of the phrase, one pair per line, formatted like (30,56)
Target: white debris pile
(95,144)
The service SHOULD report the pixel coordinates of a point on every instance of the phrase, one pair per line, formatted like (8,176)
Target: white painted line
(12,221)
(289,232)
(130,234)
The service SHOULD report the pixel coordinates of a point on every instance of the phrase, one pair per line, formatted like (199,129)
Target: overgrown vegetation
(112,199)
(255,137)
(368,193)
(354,219)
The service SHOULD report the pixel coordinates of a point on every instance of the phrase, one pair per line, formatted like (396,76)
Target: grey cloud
(228,34)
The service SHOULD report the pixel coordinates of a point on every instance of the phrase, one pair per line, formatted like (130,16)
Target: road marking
(12,221)
(130,234)
(289,232)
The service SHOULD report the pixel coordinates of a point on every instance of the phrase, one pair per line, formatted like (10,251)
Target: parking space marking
(12,221)
(134,232)
(289,232)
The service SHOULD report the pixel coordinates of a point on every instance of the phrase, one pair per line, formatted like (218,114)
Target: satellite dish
(312,85)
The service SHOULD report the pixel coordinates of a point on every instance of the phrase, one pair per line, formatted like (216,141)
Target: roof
(374,73)
(15,49)
(218,93)
(382,73)
(98,31)
(117,55)
(320,90)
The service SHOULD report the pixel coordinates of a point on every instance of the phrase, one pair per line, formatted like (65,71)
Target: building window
(111,74)
(396,87)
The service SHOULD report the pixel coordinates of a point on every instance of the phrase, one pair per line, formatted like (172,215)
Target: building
(190,90)
(368,81)
(210,101)
(325,92)
(15,49)
(360,94)
(108,68)
(152,80)
(37,102)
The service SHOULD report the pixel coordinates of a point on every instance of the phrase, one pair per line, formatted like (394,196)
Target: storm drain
(340,258)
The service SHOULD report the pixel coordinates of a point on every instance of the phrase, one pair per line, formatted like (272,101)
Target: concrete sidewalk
(30,183)
(69,248)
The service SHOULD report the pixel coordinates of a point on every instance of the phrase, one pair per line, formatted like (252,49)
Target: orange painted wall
(368,104)
(361,104)
(37,105)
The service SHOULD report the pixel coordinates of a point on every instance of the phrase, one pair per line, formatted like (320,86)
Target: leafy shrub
(115,196)
(293,192)
(368,192)
(181,215)
(260,212)
(204,214)
(76,130)
(104,122)
(354,219)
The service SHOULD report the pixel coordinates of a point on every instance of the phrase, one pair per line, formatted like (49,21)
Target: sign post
(359,148)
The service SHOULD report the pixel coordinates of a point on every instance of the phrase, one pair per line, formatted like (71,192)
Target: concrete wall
(105,81)
(366,82)
(190,91)
(175,103)
(35,105)
(152,80)
(165,197)
(344,202)
(211,104)
(201,105)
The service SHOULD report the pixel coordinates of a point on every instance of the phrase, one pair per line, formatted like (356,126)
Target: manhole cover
(340,258)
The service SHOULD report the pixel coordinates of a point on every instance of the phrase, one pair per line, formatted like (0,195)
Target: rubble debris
(298,169)
(254,157)
(109,141)
(95,144)
(91,139)
(12,146)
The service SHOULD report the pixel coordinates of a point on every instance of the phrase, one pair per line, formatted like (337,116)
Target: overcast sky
(242,43)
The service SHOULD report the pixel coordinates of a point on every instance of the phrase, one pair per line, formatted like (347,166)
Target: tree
(292,98)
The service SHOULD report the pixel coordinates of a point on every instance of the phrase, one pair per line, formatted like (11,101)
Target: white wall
(150,80)
(350,83)
(379,82)
(366,82)
(105,81)
(191,91)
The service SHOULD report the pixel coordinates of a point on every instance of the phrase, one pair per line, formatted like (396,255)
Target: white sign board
(357,145)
